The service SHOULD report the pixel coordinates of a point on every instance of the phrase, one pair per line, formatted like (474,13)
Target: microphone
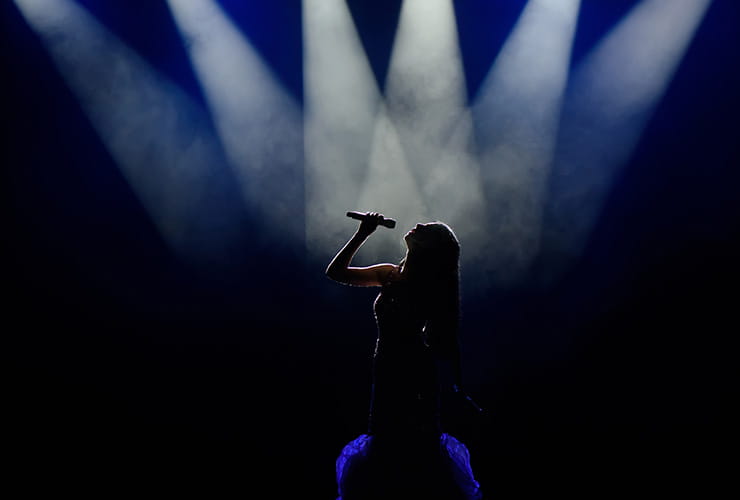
(389,223)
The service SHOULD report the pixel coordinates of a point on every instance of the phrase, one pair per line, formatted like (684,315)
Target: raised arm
(339,269)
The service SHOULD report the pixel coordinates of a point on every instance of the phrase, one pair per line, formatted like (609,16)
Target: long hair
(433,272)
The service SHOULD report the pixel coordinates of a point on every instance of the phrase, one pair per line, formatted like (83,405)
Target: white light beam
(155,133)
(611,98)
(516,114)
(341,103)
(427,103)
(258,121)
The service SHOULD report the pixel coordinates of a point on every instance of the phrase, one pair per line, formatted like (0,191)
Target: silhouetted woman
(405,454)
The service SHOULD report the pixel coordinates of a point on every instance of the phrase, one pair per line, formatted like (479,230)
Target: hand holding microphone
(371,220)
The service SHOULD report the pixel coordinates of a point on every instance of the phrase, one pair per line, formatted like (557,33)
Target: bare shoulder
(391,273)
(385,273)
(375,275)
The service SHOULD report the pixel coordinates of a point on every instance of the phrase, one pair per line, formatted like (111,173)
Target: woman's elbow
(333,273)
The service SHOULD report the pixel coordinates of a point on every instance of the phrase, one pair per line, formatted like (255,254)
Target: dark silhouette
(405,453)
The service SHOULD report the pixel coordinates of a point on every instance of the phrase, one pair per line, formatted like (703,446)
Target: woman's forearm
(340,263)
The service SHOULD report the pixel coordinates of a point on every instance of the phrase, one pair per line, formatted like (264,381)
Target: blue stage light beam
(258,121)
(611,98)
(156,134)
(516,113)
(427,104)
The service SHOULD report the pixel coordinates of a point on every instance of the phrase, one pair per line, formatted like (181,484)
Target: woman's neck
(404,271)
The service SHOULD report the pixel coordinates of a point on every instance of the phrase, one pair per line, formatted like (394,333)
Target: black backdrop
(129,370)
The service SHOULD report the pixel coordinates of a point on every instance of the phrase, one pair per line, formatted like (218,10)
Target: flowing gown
(404,454)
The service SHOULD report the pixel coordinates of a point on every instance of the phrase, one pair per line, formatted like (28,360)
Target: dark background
(131,370)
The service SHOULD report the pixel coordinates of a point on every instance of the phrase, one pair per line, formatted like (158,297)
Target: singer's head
(433,239)
(433,251)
